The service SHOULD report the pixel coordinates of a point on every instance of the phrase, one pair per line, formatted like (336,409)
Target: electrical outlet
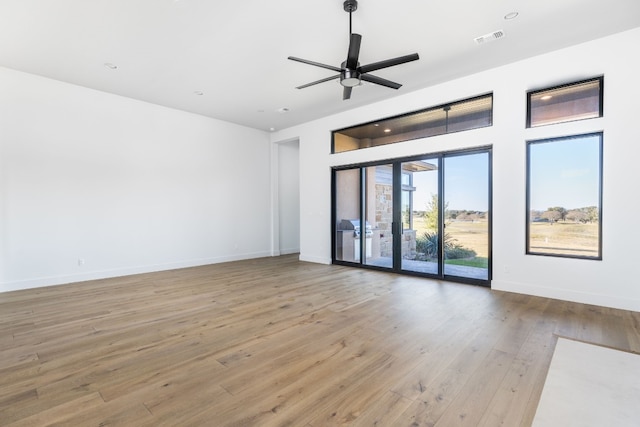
(80,262)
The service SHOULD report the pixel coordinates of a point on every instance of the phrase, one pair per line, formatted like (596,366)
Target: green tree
(562,211)
(577,216)
(431,214)
(592,214)
(551,215)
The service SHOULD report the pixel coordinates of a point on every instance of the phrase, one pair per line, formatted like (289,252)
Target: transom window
(575,101)
(457,116)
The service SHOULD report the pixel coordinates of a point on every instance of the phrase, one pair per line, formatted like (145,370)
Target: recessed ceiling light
(272,129)
(387,130)
(511,15)
(377,124)
(110,66)
(198,92)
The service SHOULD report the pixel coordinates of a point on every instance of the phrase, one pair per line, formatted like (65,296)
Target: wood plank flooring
(278,342)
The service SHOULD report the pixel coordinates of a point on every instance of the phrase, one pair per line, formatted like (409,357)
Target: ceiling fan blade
(346,93)
(354,51)
(317,64)
(380,81)
(319,81)
(388,63)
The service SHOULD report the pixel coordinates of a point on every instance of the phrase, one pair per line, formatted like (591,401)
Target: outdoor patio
(432,267)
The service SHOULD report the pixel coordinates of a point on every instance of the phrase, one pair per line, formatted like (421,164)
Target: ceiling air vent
(489,37)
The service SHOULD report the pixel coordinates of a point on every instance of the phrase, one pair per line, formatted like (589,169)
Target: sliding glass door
(363,212)
(420,220)
(347,207)
(379,209)
(466,216)
(425,216)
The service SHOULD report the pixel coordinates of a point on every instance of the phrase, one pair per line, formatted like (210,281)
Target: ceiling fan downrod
(350,6)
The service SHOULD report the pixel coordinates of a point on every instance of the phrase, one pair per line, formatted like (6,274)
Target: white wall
(124,185)
(610,282)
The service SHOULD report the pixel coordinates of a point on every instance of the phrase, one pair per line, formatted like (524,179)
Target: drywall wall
(97,185)
(612,281)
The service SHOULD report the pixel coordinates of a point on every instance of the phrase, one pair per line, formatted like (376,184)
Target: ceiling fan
(351,73)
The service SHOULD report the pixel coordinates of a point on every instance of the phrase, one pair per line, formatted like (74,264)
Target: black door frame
(397,213)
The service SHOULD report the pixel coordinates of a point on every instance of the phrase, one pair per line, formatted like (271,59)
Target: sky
(565,173)
(466,180)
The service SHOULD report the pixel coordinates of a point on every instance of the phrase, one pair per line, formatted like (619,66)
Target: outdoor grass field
(564,238)
(472,235)
(559,238)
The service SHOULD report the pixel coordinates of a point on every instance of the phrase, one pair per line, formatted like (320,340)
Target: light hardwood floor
(277,342)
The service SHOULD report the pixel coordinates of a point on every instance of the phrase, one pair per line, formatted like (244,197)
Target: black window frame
(529,143)
(445,107)
(441,155)
(532,93)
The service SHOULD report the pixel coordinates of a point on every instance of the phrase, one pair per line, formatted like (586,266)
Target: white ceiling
(235,52)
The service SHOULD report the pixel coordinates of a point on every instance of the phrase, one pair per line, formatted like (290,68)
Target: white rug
(589,385)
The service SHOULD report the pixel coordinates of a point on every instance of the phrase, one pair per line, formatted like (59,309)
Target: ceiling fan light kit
(351,73)
(349,78)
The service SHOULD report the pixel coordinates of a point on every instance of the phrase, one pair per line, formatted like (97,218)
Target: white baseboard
(317,260)
(622,303)
(125,271)
(289,251)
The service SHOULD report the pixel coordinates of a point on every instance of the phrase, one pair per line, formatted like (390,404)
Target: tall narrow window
(564,196)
